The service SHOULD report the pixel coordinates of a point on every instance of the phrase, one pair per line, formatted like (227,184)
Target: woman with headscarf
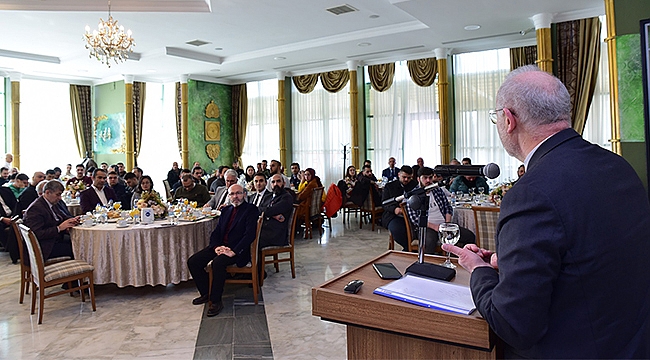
(310,182)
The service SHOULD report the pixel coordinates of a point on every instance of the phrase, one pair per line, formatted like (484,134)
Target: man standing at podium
(572,279)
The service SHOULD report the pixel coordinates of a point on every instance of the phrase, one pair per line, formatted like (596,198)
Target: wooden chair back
(369,207)
(412,243)
(486,218)
(316,203)
(36,263)
(25,271)
(276,250)
(168,190)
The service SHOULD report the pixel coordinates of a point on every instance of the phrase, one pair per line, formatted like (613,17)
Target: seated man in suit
(49,223)
(276,168)
(392,217)
(262,197)
(81,177)
(29,194)
(118,188)
(220,198)
(192,191)
(391,171)
(7,211)
(179,181)
(230,243)
(98,193)
(295,178)
(197,173)
(277,214)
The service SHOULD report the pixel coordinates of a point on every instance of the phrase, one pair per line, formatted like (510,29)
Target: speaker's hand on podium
(471,256)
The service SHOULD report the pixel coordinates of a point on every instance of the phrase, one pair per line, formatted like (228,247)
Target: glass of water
(449,233)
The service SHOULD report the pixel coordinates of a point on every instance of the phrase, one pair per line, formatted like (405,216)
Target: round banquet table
(140,255)
(464,217)
(74,208)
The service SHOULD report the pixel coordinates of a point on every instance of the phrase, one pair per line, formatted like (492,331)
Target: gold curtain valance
(520,56)
(334,81)
(381,76)
(305,83)
(423,71)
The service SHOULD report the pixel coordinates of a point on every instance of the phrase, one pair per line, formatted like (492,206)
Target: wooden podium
(379,327)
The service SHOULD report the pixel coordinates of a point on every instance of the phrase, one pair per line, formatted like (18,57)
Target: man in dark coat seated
(98,193)
(49,223)
(277,214)
(7,211)
(230,243)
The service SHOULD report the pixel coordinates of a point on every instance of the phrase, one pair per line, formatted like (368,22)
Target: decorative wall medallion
(212,131)
(212,110)
(213,151)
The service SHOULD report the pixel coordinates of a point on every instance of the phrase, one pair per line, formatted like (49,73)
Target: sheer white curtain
(262,133)
(477,77)
(405,123)
(321,126)
(47,136)
(598,127)
(159,145)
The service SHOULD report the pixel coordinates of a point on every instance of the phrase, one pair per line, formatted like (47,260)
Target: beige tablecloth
(74,209)
(464,217)
(143,254)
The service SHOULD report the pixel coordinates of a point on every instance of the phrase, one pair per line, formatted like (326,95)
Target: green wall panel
(630,87)
(200,94)
(109,99)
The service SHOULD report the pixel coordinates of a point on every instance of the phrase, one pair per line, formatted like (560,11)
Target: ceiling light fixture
(472,27)
(109,42)
(362,44)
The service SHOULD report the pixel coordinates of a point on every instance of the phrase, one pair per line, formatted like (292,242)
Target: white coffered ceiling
(255,39)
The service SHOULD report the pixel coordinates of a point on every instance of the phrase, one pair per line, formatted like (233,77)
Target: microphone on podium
(490,170)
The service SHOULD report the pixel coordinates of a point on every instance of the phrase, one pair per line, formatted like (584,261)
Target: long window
(403,122)
(477,77)
(159,145)
(46,133)
(321,127)
(262,132)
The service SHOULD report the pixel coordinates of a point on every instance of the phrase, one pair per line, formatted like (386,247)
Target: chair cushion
(273,247)
(66,268)
(56,260)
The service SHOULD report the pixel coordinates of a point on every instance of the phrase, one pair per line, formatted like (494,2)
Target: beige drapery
(179,136)
(381,76)
(239,118)
(334,81)
(82,119)
(423,71)
(520,56)
(578,53)
(305,83)
(139,95)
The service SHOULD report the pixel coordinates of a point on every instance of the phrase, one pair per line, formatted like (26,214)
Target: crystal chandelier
(109,41)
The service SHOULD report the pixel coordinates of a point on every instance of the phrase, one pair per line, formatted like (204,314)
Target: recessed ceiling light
(364,44)
(279,58)
(373,16)
(472,27)
(218,48)
(215,69)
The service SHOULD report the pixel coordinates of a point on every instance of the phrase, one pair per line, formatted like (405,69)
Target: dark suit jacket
(6,231)
(391,190)
(390,173)
(25,199)
(266,200)
(88,198)
(241,232)
(274,232)
(40,220)
(573,279)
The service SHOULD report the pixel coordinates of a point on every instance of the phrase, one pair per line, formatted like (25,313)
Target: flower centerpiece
(499,192)
(76,187)
(152,199)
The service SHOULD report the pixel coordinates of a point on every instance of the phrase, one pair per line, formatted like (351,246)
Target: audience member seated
(450,180)
(276,168)
(392,217)
(295,179)
(49,224)
(465,183)
(4,175)
(235,166)
(304,194)
(390,173)
(265,170)
(80,177)
(276,214)
(262,197)
(119,189)
(368,163)
(131,184)
(145,185)
(179,181)
(230,243)
(346,184)
(197,173)
(362,188)
(50,175)
(249,174)
(521,170)
(220,180)
(192,191)
(137,172)
(98,193)
(18,185)
(220,198)
(439,211)
(7,238)
(121,171)
(466,161)
(29,194)
(417,166)
(174,174)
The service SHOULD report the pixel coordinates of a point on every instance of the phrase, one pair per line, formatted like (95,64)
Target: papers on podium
(430,293)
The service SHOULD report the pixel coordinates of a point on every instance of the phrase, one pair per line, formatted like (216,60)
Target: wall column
(443,104)
(15,118)
(128,104)
(613,77)
(282,119)
(354,115)
(185,151)
(544,52)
